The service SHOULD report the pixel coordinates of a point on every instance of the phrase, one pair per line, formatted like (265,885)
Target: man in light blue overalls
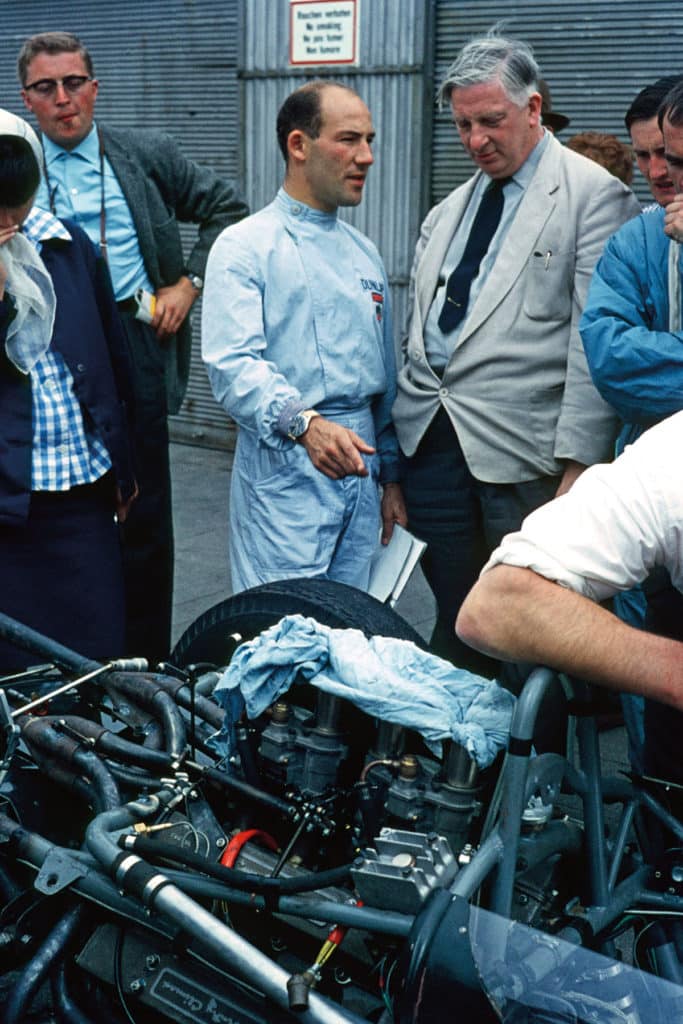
(297,338)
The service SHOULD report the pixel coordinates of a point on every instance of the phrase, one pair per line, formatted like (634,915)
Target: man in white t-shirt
(617,523)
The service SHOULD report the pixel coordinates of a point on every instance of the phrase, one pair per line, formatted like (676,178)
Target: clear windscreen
(536,978)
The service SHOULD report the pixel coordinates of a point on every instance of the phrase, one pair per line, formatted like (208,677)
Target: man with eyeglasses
(129,189)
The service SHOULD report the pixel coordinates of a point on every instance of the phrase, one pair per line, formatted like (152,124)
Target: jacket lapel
(132,181)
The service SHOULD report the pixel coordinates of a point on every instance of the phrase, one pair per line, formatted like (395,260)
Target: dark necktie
(486,220)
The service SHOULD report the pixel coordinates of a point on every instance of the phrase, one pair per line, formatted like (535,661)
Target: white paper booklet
(392,565)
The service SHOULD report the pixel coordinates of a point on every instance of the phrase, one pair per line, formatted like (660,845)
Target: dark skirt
(61,573)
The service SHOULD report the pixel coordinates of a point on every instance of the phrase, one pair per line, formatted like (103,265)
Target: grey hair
(491,58)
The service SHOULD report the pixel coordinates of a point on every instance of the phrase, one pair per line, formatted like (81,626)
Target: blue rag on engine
(389,679)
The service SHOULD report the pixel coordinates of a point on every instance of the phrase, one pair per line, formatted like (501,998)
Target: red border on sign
(318,63)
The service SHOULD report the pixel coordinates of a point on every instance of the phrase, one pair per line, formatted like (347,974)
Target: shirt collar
(301,211)
(41,225)
(525,173)
(88,149)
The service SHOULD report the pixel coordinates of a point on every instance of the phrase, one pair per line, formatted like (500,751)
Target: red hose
(234,847)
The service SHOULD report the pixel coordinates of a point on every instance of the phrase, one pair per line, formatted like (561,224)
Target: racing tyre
(214,635)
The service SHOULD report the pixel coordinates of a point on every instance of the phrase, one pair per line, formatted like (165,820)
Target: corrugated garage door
(162,64)
(394,78)
(595,56)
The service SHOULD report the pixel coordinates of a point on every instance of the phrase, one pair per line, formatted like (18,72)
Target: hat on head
(550,117)
(12,124)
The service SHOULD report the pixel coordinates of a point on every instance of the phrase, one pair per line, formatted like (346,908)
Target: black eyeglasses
(48,86)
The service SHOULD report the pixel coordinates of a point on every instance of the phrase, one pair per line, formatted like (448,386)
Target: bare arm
(517,615)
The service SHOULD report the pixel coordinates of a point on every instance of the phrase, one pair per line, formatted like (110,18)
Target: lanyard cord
(52,191)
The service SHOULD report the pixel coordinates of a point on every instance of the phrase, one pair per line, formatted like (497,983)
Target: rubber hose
(41,736)
(385,922)
(174,726)
(146,692)
(132,753)
(181,692)
(67,1010)
(155,849)
(112,745)
(249,792)
(31,640)
(101,778)
(38,967)
(131,777)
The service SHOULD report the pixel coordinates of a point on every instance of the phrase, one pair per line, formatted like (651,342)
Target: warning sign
(323,31)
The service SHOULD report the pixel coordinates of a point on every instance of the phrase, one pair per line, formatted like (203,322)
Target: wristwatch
(298,425)
(196,282)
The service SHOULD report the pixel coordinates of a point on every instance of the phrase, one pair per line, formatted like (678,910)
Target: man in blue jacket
(629,329)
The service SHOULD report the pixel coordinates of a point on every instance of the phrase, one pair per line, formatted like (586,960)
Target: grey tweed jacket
(164,189)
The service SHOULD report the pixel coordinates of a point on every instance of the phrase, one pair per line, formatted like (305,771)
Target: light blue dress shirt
(74,189)
(439,346)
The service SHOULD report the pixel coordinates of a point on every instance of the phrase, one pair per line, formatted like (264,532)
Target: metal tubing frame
(498,856)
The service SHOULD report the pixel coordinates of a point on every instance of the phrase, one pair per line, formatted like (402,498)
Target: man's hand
(673,219)
(123,507)
(173,304)
(572,472)
(335,450)
(393,510)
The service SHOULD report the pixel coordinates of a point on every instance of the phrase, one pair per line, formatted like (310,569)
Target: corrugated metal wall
(162,64)
(393,77)
(173,64)
(596,55)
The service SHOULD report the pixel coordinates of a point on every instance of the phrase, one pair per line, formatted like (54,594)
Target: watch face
(298,426)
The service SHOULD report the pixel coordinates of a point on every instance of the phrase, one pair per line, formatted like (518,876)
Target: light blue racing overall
(296,316)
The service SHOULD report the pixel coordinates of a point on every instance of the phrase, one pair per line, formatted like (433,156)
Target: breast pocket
(548,285)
